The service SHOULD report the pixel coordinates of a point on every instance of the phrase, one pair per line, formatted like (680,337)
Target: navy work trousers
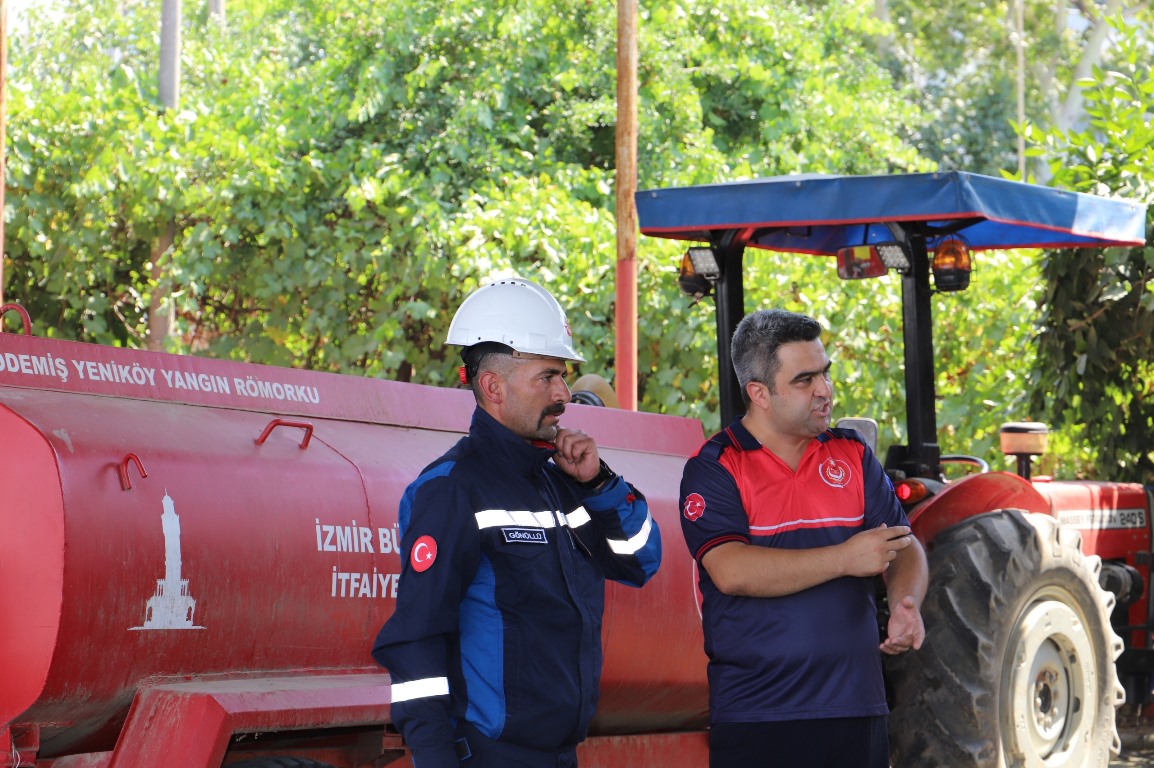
(848,742)
(477,751)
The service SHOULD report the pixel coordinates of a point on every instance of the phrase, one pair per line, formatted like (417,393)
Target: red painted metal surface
(25,318)
(672,750)
(185,725)
(973,495)
(1115,524)
(1111,517)
(212,545)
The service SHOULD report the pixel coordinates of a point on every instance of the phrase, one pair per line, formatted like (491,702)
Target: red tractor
(1038,621)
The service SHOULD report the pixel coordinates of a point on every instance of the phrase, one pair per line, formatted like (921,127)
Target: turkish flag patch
(423,554)
(694,506)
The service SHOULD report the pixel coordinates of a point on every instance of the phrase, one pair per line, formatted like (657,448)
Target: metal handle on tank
(24,317)
(308,428)
(125,483)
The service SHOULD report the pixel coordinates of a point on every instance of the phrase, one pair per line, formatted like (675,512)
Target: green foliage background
(1095,375)
(341,175)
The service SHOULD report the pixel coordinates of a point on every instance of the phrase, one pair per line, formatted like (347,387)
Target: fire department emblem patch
(423,554)
(835,473)
(694,506)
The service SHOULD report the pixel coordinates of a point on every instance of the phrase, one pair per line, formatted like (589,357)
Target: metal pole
(169,84)
(626,320)
(161,313)
(216,11)
(1020,45)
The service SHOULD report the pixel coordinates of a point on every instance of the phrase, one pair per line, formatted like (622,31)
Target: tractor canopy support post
(730,309)
(922,456)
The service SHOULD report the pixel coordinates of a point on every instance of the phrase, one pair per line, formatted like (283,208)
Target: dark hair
(757,339)
(483,356)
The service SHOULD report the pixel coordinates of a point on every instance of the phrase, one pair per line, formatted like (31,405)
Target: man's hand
(870,552)
(905,630)
(576,454)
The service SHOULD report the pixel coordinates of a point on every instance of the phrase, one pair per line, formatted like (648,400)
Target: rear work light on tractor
(951,263)
(699,272)
(856,262)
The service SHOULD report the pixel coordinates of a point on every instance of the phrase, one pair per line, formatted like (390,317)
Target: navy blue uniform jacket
(498,618)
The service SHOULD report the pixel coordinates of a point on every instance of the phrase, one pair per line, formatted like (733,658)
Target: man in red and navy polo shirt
(789,521)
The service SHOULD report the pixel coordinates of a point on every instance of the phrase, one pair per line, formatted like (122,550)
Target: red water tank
(182,529)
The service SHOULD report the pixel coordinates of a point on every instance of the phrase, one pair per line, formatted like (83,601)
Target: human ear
(491,386)
(758,394)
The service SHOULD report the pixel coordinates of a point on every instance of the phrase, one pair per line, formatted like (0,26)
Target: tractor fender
(974,495)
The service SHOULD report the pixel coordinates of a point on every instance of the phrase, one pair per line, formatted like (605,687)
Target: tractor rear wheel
(1017,668)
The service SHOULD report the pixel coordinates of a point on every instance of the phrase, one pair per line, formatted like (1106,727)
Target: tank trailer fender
(191,724)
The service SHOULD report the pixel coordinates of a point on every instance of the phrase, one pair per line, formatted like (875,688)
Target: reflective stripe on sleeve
(420,689)
(578,517)
(630,546)
(634,543)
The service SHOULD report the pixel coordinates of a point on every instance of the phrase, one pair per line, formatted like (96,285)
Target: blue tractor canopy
(919,225)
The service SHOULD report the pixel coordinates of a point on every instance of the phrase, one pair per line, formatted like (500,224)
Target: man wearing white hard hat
(494,649)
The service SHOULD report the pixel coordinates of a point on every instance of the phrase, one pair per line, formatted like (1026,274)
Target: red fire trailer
(197,555)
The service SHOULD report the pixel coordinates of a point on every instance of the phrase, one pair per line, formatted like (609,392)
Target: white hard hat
(517,313)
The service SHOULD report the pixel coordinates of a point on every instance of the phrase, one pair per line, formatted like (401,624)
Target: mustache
(556,409)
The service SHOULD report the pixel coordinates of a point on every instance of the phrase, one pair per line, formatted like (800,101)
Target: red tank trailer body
(198,555)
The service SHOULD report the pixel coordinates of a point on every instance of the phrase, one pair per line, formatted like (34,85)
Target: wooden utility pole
(161,312)
(626,363)
(216,11)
